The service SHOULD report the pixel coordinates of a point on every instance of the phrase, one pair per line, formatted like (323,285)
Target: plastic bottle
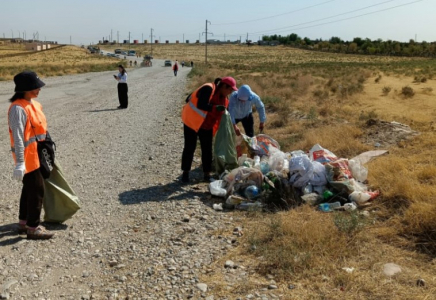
(328,207)
(327,194)
(264,167)
(308,189)
(242,159)
(256,162)
(251,192)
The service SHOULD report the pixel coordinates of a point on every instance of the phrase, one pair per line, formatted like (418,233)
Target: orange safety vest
(192,116)
(35,117)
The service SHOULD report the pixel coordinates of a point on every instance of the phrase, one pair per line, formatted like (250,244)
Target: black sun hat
(27,81)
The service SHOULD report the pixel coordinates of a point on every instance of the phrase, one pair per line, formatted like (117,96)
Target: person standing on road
(192,64)
(175,68)
(241,110)
(201,117)
(122,87)
(27,123)
(183,63)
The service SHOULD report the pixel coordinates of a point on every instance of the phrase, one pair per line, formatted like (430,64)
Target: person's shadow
(9,235)
(170,191)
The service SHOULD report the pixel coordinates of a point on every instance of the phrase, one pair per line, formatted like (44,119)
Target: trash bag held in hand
(225,146)
(60,202)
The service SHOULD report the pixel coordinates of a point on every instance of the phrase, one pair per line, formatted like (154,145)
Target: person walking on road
(241,110)
(175,68)
(192,64)
(122,87)
(27,123)
(201,117)
(183,63)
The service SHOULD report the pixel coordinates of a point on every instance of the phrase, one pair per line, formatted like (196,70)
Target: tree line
(358,45)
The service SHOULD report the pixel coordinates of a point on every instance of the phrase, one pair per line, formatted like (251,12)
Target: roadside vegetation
(54,62)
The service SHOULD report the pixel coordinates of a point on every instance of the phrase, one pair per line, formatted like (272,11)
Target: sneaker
(185,177)
(39,233)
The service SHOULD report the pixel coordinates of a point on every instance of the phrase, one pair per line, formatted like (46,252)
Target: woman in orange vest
(201,116)
(26,124)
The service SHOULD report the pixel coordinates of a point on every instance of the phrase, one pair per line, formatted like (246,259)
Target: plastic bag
(319,154)
(216,188)
(358,171)
(276,159)
(60,202)
(245,176)
(224,147)
(246,145)
(301,170)
(263,143)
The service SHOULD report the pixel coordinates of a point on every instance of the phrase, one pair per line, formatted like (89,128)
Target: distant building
(37,46)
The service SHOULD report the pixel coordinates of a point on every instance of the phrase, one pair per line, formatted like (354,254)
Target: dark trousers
(122,95)
(248,124)
(175,72)
(31,198)
(206,137)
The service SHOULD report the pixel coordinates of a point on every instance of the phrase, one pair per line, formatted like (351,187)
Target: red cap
(230,81)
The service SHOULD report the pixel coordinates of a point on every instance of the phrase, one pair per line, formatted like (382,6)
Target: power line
(348,12)
(370,13)
(287,13)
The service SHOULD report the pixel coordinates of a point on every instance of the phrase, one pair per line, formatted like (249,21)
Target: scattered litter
(218,207)
(391,269)
(348,270)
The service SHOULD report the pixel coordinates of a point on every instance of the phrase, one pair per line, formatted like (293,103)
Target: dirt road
(139,233)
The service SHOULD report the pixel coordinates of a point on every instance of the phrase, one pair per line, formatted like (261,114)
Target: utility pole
(111,37)
(70,39)
(199,37)
(118,37)
(224,37)
(142,38)
(247,38)
(206,40)
(151,41)
(183,41)
(129,42)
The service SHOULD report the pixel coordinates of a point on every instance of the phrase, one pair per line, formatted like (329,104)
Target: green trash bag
(60,202)
(225,146)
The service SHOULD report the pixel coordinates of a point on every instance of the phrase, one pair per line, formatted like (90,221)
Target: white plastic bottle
(257,162)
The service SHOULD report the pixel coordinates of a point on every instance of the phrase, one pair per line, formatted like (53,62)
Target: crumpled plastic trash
(216,188)
(304,171)
(218,207)
(319,154)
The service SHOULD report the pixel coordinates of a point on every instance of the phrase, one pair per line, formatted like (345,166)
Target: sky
(86,22)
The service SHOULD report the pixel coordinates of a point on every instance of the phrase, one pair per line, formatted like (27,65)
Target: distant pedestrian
(122,87)
(183,63)
(27,125)
(130,63)
(135,63)
(175,68)
(192,64)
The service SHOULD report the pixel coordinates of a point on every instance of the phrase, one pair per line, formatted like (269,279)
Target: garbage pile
(268,177)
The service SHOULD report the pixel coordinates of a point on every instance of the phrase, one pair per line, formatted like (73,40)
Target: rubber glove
(220,107)
(19,171)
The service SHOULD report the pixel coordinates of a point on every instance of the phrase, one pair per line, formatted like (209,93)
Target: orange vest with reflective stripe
(35,117)
(192,116)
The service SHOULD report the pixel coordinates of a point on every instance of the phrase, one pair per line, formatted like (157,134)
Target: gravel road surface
(140,234)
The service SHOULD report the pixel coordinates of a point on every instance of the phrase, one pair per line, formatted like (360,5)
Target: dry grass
(326,99)
(54,62)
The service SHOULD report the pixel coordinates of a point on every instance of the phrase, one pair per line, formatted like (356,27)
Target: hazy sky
(91,20)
